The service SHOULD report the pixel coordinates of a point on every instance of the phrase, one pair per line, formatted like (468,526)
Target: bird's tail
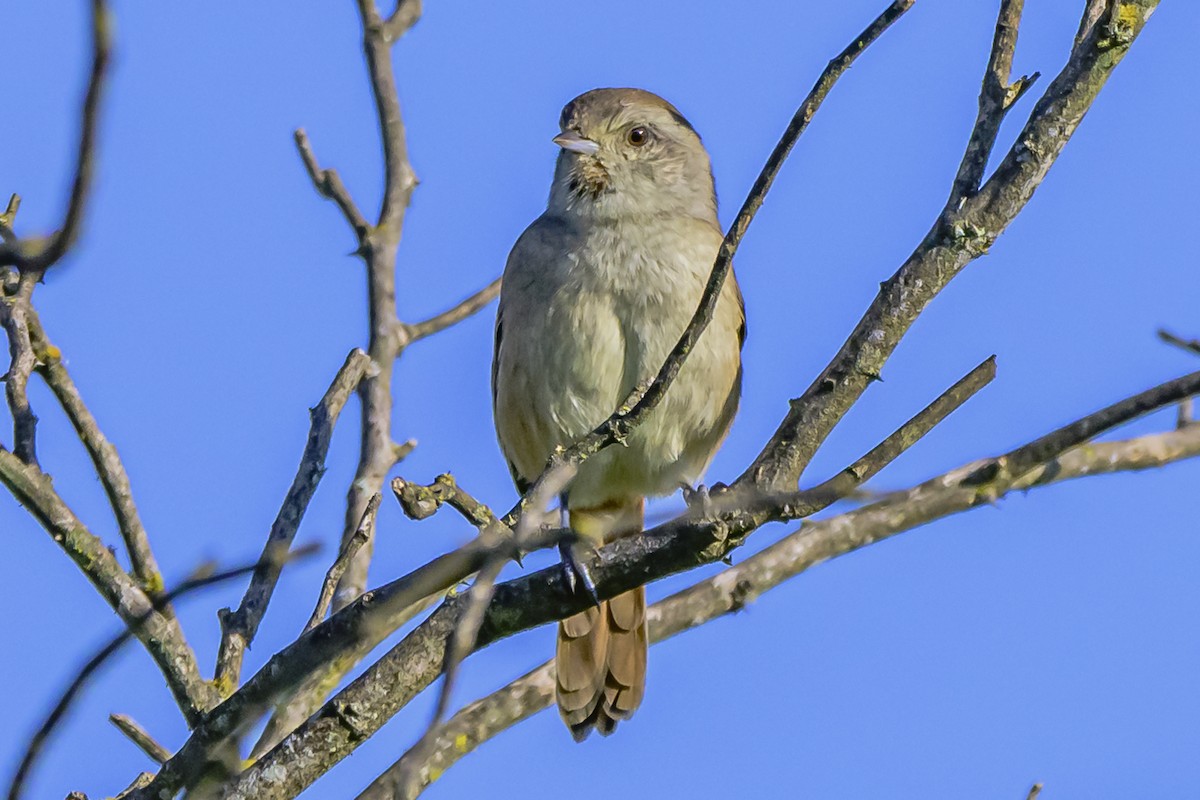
(601,654)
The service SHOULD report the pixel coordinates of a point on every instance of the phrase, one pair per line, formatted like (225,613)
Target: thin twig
(405,15)
(140,737)
(8,217)
(887,451)
(349,548)
(419,502)
(105,459)
(329,184)
(1020,461)
(38,741)
(995,99)
(1191,345)
(38,255)
(439,322)
(239,627)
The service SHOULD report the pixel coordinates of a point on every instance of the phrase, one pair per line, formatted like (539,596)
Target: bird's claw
(575,572)
(697,498)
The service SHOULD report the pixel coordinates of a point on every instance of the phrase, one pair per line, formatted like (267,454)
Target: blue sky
(211,298)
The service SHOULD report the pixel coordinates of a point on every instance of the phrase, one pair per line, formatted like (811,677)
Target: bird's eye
(637,136)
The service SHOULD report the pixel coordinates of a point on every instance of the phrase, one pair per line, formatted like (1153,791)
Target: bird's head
(629,153)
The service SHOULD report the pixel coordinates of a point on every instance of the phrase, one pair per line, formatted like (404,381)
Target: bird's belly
(675,442)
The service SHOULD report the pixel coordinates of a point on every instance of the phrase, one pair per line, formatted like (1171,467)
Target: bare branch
(544,597)
(329,185)
(140,737)
(957,237)
(1191,345)
(305,699)
(7,218)
(402,19)
(38,255)
(995,99)
(40,738)
(887,451)
(239,627)
(378,453)
(338,567)
(104,457)
(33,489)
(435,324)
(14,318)
(737,586)
(419,502)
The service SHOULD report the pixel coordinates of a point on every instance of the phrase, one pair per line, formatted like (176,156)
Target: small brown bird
(596,292)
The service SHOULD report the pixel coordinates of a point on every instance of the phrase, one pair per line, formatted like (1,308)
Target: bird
(594,295)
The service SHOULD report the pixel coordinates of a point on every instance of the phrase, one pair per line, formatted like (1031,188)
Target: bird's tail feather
(601,653)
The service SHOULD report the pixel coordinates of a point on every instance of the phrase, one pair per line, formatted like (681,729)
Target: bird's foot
(698,498)
(575,572)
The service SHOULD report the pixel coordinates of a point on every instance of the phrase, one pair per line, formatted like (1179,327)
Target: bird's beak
(573,142)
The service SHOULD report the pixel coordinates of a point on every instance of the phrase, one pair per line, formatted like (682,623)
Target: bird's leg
(697,498)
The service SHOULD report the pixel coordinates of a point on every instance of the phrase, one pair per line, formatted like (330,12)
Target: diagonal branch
(328,184)
(958,237)
(419,330)
(734,588)
(1191,345)
(338,568)
(238,628)
(359,710)
(518,605)
(105,459)
(34,489)
(995,99)
(41,737)
(140,737)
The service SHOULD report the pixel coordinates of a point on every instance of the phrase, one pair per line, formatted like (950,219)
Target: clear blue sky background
(210,300)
